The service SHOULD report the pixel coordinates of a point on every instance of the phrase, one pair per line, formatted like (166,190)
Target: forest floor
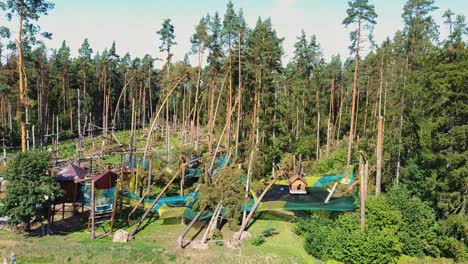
(155,243)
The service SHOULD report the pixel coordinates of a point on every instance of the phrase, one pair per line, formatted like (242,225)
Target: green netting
(277,198)
(104,198)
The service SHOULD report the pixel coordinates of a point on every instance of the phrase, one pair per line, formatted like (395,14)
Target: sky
(132,23)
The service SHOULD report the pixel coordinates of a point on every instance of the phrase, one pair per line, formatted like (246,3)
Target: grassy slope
(156,243)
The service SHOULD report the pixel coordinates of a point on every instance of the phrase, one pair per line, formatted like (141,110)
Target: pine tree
(28,12)
(166,36)
(362,13)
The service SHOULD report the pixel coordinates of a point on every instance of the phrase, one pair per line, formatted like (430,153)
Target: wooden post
(27,129)
(362,192)
(149,177)
(4,151)
(57,142)
(331,192)
(114,205)
(63,210)
(33,137)
(93,231)
(135,190)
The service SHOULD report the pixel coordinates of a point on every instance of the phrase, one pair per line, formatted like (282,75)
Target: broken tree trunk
(212,221)
(238,235)
(153,124)
(180,239)
(152,206)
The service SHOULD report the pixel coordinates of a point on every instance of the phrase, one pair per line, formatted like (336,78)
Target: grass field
(156,243)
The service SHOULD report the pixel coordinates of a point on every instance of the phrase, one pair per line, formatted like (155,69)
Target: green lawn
(156,243)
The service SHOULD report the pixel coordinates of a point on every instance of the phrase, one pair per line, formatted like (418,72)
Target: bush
(453,248)
(267,232)
(217,235)
(396,224)
(258,240)
(453,237)
(29,187)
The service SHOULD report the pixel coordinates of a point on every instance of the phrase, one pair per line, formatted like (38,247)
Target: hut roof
(296,178)
(105,180)
(71,172)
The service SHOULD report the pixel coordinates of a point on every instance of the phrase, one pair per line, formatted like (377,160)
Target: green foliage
(228,190)
(217,235)
(333,163)
(269,231)
(28,186)
(258,240)
(261,238)
(396,224)
(453,237)
(360,12)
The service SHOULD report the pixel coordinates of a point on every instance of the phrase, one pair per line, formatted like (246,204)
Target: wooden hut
(297,185)
(103,207)
(70,178)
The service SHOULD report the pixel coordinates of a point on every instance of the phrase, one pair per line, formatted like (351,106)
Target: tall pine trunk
(22,89)
(353,104)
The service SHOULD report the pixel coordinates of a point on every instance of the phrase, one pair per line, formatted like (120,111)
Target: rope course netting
(277,198)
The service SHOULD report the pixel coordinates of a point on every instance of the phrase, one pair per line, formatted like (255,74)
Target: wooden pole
(378,172)
(331,192)
(33,137)
(114,205)
(180,239)
(137,205)
(57,142)
(4,151)
(151,208)
(149,177)
(238,235)
(378,175)
(148,138)
(135,188)
(213,219)
(93,231)
(363,170)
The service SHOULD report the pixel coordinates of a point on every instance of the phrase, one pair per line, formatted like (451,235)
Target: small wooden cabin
(297,185)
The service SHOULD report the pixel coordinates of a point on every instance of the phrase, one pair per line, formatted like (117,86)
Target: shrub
(396,224)
(269,231)
(217,235)
(28,187)
(453,248)
(258,240)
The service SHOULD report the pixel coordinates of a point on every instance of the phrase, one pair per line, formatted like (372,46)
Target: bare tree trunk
(340,113)
(196,127)
(330,113)
(239,106)
(317,106)
(238,235)
(22,89)
(211,115)
(378,171)
(353,105)
(168,147)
